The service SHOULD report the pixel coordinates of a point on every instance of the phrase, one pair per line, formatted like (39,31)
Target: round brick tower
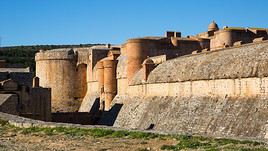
(223,38)
(56,69)
(100,76)
(110,83)
(136,52)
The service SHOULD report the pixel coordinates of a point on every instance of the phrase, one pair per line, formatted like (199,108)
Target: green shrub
(169,147)
(119,134)
(100,132)
(3,122)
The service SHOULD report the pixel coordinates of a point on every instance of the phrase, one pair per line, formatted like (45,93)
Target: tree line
(23,56)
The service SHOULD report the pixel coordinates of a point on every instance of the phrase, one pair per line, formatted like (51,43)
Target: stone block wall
(70,73)
(40,104)
(56,69)
(9,103)
(220,94)
(233,117)
(247,87)
(227,36)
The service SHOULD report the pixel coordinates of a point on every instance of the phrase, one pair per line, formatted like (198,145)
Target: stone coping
(54,55)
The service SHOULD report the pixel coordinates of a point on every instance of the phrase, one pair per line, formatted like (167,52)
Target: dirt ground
(32,142)
(77,139)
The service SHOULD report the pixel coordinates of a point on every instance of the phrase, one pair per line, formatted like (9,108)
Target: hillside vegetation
(23,56)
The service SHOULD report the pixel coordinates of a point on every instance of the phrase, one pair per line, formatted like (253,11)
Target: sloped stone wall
(8,103)
(246,61)
(222,93)
(238,117)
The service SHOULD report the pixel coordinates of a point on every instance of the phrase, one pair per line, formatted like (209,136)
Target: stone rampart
(247,87)
(250,60)
(240,117)
(221,94)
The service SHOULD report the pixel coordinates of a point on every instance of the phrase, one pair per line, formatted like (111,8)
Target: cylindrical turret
(223,38)
(136,54)
(227,38)
(56,70)
(100,76)
(110,83)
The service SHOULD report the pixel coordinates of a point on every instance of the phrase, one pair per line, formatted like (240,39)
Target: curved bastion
(57,69)
(220,93)
(71,73)
(246,61)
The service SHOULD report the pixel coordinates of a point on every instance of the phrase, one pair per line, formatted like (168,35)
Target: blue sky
(31,22)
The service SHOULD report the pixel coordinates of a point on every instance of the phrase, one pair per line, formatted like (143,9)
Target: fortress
(213,83)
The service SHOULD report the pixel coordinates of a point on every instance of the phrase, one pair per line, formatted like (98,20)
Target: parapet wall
(56,54)
(228,36)
(246,87)
(250,60)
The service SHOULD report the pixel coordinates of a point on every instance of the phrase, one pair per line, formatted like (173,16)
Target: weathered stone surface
(8,103)
(69,73)
(88,102)
(246,61)
(221,117)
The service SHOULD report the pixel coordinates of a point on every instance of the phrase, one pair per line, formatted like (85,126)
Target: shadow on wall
(108,117)
(95,107)
(93,117)
(85,118)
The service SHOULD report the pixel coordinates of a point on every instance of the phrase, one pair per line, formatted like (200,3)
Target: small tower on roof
(213,26)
